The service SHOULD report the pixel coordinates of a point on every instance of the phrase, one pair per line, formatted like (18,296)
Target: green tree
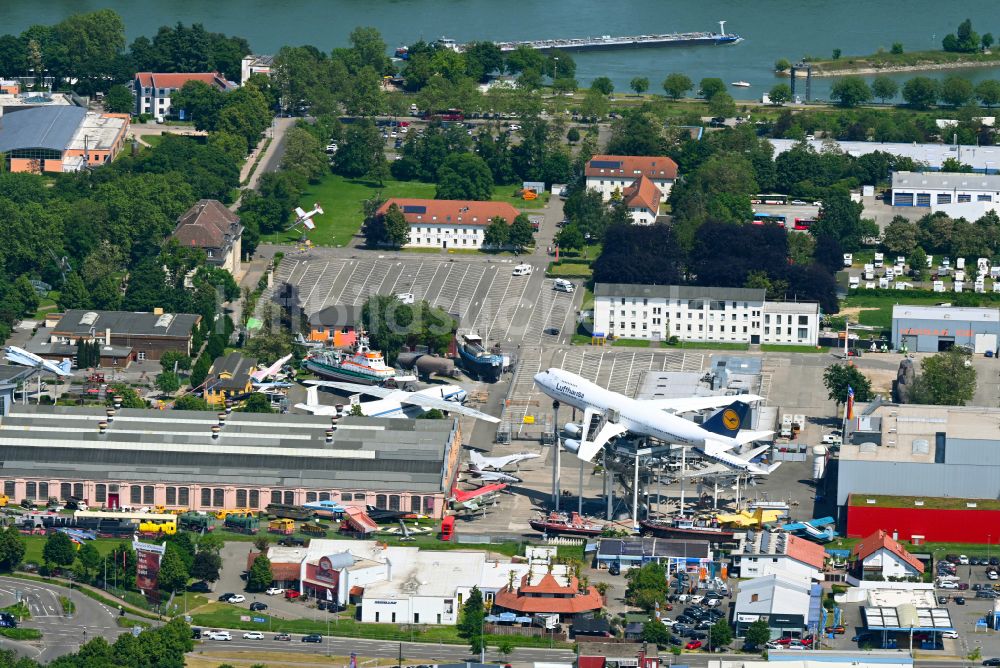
(721,634)
(884,88)
(397,230)
(26,295)
(201,103)
(59,550)
(464,176)
(782,65)
(594,105)
(946,379)
(130,398)
(497,233)
(168,382)
(836,54)
(921,92)
(522,234)
(74,293)
(918,263)
(654,631)
(897,49)
(12,548)
(676,85)
(572,135)
(570,237)
(200,371)
(118,100)
(432,414)
(780,94)
(603,85)
(711,86)
(722,104)
(171,358)
(89,560)
(470,621)
(305,155)
(191,402)
(987,41)
(207,566)
(900,236)
(639,84)
(956,91)
(173,573)
(361,148)
(211,543)
(840,218)
(256,403)
(838,377)
(758,634)
(260,578)
(850,91)
(988,92)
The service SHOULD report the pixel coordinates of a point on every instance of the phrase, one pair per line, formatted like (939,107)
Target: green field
(708,345)
(341,199)
(876,310)
(569,270)
(913,59)
(782,348)
(631,343)
(506,194)
(35,545)
(930,502)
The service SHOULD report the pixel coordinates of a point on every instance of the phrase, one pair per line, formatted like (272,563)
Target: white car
(832,439)
(798,202)
(947,584)
(220,635)
(253,635)
(522,270)
(667,622)
(514,127)
(238,598)
(275,591)
(405,297)
(950,634)
(963,559)
(992,575)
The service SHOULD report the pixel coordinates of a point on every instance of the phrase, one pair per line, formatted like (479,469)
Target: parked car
(292,594)
(283,636)
(963,585)
(991,662)
(947,584)
(959,600)
(950,634)
(195,633)
(220,635)
(274,591)
(963,559)
(225,597)
(615,568)
(200,587)
(253,635)
(312,637)
(836,630)
(994,561)
(942,600)
(695,644)
(236,598)
(257,605)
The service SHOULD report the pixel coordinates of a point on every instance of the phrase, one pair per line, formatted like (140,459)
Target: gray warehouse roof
(43,127)
(80,322)
(678,292)
(954,313)
(934,155)
(365,453)
(945,181)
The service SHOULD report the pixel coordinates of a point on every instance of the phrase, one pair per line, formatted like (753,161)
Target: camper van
(562,285)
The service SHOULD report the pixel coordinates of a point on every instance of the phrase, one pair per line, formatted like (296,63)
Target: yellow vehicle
(4,500)
(281,526)
(162,523)
(241,512)
(165,528)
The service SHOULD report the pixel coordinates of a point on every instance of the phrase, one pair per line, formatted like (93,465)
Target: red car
(783,641)
(693,644)
(291,594)
(807,641)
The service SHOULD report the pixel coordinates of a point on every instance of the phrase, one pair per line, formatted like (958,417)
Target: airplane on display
(475,499)
(305,218)
(485,464)
(395,403)
(656,418)
(260,377)
(494,476)
(24,358)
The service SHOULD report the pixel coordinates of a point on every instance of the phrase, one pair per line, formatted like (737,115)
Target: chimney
(158,310)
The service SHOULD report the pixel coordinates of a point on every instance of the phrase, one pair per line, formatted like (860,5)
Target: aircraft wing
(263,374)
(588,449)
(308,222)
(749,436)
(404,397)
(300,212)
(497,476)
(720,452)
(688,404)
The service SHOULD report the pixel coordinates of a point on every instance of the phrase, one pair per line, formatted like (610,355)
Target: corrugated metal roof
(956,313)
(945,181)
(41,127)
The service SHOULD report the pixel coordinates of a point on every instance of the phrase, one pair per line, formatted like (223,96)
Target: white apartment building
(443,223)
(610,173)
(152,90)
(704,314)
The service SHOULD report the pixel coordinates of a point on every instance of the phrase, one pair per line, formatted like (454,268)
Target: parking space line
(308,299)
(326,299)
(520,300)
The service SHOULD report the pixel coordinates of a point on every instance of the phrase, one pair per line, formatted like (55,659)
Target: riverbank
(918,61)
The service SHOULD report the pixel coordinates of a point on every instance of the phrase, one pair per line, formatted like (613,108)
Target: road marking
(326,299)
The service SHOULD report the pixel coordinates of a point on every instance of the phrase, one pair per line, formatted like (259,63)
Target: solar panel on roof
(606,164)
(414,208)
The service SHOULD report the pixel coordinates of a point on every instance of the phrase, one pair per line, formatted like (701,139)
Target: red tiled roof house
(880,553)
(152,90)
(561,596)
(627,175)
(446,223)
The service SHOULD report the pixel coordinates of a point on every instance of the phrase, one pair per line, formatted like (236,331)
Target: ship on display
(361,365)
(559,523)
(477,360)
(605,42)
(683,527)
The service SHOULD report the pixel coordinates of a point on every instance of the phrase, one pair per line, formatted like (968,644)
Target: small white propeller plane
(305,218)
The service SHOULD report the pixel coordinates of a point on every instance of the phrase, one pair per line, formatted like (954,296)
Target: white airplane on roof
(260,375)
(395,403)
(616,414)
(24,358)
(305,218)
(480,463)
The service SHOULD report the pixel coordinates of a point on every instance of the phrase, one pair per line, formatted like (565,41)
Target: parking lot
(481,291)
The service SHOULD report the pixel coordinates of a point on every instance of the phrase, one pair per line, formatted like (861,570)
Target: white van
(848,259)
(522,270)
(562,285)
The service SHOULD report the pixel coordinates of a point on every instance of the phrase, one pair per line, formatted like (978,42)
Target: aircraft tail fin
(729,420)
(476,459)
(312,395)
(66,366)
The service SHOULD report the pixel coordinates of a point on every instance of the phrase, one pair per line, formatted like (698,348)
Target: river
(772,28)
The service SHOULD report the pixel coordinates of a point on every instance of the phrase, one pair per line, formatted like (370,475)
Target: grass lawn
(588,298)
(631,343)
(586,253)
(35,545)
(152,140)
(876,310)
(569,270)
(341,199)
(708,345)
(780,348)
(47,305)
(506,194)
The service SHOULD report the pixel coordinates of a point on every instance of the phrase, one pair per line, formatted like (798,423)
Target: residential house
(766,553)
(566,599)
(153,90)
(445,223)
(881,554)
(642,199)
(211,226)
(336,325)
(229,378)
(608,174)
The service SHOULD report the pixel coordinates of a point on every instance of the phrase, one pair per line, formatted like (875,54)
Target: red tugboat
(574,525)
(683,527)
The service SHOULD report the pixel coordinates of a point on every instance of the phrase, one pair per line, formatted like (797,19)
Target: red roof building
(209,225)
(549,595)
(609,174)
(446,223)
(881,553)
(643,200)
(152,90)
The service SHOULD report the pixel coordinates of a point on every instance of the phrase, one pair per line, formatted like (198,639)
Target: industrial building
(931,329)
(924,452)
(933,188)
(920,519)
(790,604)
(985,159)
(446,223)
(125,336)
(207,461)
(693,313)
(60,138)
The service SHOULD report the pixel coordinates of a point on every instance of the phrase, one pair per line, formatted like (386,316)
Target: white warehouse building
(928,189)
(703,314)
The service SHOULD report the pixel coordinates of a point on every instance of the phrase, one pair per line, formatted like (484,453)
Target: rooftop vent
(165,320)
(88,318)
